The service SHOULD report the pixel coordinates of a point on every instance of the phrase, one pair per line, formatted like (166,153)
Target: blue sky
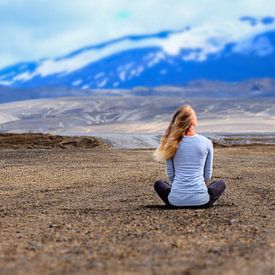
(32,29)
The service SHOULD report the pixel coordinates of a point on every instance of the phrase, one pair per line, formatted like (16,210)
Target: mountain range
(230,52)
(133,114)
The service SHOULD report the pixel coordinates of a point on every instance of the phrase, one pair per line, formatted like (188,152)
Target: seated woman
(189,158)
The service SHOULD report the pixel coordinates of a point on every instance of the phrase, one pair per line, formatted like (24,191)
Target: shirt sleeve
(170,169)
(208,167)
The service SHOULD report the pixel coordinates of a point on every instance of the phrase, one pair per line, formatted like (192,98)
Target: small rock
(216,250)
(233,221)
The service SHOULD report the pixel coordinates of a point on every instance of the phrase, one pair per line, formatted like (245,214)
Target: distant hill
(253,88)
(47,141)
(133,114)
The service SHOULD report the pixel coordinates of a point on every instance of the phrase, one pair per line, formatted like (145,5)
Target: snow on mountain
(228,51)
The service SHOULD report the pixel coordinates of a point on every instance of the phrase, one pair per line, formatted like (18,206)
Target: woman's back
(193,166)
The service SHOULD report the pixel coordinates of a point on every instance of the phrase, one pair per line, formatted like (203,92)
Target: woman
(189,158)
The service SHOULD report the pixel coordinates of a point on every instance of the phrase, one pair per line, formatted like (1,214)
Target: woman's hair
(169,142)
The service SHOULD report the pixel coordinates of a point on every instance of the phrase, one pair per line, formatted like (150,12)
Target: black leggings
(215,190)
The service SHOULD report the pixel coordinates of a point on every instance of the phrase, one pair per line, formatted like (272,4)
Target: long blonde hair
(169,142)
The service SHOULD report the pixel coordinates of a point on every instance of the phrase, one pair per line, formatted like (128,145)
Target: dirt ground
(94,211)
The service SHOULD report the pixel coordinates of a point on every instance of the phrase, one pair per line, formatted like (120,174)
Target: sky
(34,29)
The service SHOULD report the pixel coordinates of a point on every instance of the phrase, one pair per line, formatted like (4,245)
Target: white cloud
(35,29)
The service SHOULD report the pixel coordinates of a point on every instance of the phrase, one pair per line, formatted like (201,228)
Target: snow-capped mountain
(228,51)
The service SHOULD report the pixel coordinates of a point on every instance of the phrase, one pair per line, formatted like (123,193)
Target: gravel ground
(79,211)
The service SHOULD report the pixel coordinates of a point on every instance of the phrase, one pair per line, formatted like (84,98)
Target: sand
(79,211)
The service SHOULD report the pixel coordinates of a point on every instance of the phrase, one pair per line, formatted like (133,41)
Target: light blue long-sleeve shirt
(193,162)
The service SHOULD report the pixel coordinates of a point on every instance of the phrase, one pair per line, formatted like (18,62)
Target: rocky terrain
(79,211)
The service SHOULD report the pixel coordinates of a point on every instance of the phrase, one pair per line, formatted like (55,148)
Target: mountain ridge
(228,53)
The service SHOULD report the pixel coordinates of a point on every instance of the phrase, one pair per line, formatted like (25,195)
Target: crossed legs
(215,190)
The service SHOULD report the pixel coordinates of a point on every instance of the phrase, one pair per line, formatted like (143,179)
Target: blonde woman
(189,159)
